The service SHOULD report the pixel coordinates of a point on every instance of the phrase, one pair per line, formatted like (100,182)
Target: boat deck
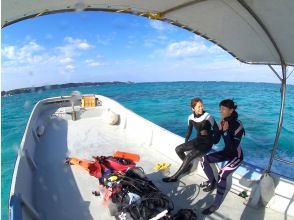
(65,192)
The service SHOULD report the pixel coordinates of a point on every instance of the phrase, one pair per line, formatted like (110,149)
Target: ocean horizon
(48,86)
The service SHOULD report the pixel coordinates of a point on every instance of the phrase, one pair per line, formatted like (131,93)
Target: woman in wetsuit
(207,135)
(232,131)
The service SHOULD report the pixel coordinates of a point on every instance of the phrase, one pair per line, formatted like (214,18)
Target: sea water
(168,105)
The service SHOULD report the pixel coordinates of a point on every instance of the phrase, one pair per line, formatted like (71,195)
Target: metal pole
(282,107)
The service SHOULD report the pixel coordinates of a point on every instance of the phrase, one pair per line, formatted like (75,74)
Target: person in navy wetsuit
(232,131)
(207,135)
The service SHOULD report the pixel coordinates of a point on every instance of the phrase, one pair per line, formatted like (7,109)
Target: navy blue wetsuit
(231,153)
(200,145)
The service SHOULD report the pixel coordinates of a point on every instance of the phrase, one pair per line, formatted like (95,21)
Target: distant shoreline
(72,85)
(57,86)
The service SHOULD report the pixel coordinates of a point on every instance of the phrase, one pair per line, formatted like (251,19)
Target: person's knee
(179,149)
(204,159)
(189,158)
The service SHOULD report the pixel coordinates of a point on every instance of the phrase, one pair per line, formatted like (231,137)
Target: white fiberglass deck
(65,192)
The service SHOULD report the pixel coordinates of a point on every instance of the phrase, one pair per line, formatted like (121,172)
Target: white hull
(45,188)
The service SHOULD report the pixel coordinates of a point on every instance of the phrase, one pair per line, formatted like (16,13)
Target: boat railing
(287,162)
(283,78)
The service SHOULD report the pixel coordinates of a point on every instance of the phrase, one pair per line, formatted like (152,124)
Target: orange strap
(130,156)
(82,163)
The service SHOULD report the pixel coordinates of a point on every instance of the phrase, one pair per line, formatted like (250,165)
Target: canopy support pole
(281,116)
(264,190)
(283,79)
(275,72)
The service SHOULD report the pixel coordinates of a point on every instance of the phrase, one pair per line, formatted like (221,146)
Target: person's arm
(216,133)
(238,133)
(189,131)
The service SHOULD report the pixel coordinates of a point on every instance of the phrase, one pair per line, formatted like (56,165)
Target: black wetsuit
(231,153)
(199,145)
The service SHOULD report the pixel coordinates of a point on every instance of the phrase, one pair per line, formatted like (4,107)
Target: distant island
(57,86)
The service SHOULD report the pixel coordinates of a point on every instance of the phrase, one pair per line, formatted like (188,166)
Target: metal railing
(284,161)
(283,80)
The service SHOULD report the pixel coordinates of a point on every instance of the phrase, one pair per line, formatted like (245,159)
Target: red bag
(116,165)
(95,169)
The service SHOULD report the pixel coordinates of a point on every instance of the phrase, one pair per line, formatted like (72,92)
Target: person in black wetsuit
(207,135)
(232,131)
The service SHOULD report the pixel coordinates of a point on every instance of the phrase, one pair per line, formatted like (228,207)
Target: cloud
(214,49)
(185,48)
(78,43)
(9,52)
(93,63)
(28,53)
(45,63)
(191,69)
(33,53)
(69,68)
(66,60)
(83,46)
(195,47)
(73,46)
(160,25)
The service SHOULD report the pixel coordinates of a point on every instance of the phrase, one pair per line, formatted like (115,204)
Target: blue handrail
(15,209)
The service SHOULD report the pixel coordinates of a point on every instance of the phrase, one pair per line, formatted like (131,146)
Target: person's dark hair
(195,101)
(229,103)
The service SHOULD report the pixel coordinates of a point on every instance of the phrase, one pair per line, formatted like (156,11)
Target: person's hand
(204,132)
(225,126)
(220,125)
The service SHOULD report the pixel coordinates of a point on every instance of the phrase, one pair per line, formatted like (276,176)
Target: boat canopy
(253,31)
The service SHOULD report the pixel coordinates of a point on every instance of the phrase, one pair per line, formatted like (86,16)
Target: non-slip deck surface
(64,192)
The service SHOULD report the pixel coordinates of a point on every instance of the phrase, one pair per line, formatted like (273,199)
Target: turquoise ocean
(168,105)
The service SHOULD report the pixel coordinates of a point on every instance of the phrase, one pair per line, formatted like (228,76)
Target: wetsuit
(231,153)
(199,145)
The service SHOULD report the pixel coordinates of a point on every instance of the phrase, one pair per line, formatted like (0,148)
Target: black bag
(185,214)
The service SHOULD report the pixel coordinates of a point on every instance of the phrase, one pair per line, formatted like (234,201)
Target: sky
(103,46)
